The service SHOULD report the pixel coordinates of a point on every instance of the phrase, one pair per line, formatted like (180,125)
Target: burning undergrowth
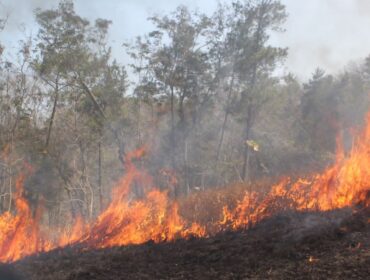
(155,216)
(290,245)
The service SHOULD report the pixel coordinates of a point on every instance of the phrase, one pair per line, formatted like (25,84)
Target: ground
(332,245)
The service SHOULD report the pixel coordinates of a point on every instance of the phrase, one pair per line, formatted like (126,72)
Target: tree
(319,110)
(60,44)
(74,61)
(176,64)
(250,60)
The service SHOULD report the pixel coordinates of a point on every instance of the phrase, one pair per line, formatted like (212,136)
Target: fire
(341,185)
(20,234)
(126,220)
(152,215)
(312,259)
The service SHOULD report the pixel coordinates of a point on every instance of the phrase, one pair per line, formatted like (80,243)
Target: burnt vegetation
(203,99)
(333,245)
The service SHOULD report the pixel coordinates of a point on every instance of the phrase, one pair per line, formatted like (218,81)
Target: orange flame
(20,234)
(342,185)
(154,216)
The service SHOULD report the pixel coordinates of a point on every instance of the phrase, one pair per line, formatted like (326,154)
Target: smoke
(326,34)
(363,7)
(20,12)
(319,33)
(319,224)
(20,22)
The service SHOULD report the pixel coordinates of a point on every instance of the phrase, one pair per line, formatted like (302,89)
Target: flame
(341,185)
(151,215)
(126,220)
(19,234)
(312,259)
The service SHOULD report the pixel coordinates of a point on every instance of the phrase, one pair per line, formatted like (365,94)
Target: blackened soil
(331,245)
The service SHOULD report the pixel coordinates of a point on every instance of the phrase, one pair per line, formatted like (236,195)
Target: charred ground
(325,245)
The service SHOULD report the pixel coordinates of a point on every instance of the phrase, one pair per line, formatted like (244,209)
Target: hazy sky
(324,33)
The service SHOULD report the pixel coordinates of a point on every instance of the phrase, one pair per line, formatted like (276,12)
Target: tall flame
(20,234)
(154,216)
(341,185)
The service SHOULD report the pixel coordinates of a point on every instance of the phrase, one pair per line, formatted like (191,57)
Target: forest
(202,94)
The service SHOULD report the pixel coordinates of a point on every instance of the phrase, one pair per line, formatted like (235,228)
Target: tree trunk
(100,177)
(56,97)
(222,135)
(83,180)
(250,117)
(227,112)
(246,153)
(138,96)
(172,136)
(181,111)
(139,121)
(120,144)
(172,111)
(186,167)
(68,190)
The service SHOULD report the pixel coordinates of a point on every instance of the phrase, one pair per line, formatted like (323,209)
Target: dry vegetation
(290,246)
(216,127)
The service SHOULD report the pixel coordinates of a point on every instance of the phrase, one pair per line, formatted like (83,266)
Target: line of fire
(197,150)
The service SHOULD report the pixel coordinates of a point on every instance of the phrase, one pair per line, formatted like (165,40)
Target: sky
(330,34)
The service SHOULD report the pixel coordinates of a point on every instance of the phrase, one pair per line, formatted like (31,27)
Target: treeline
(203,96)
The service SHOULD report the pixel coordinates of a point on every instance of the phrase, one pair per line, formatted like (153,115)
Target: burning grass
(156,217)
(291,245)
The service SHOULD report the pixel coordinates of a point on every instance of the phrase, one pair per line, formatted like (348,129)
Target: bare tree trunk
(56,97)
(186,168)
(222,135)
(172,111)
(139,122)
(83,179)
(227,112)
(68,190)
(172,136)
(100,178)
(10,164)
(181,110)
(10,188)
(246,153)
(138,96)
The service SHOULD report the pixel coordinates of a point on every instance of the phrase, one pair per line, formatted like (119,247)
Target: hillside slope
(331,245)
